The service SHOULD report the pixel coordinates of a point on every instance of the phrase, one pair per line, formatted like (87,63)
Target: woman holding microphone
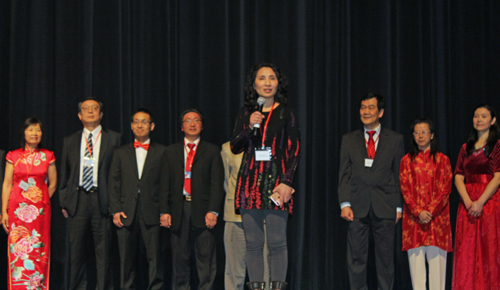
(269,140)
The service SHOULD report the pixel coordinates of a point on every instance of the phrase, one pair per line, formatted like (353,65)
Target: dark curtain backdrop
(435,59)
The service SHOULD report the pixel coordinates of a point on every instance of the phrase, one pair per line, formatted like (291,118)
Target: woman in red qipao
(26,209)
(477,176)
(425,178)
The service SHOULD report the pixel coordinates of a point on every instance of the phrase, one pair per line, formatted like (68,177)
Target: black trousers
(357,250)
(128,242)
(88,217)
(182,241)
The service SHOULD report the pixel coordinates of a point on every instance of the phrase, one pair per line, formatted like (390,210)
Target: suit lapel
(150,156)
(382,141)
(199,151)
(362,144)
(77,147)
(104,146)
(133,159)
(180,154)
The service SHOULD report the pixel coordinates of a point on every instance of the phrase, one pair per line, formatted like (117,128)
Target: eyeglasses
(417,133)
(144,122)
(196,121)
(88,108)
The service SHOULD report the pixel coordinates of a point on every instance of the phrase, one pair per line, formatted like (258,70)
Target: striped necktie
(88,171)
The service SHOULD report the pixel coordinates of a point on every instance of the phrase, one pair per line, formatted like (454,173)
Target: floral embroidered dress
(257,179)
(426,185)
(476,263)
(29,220)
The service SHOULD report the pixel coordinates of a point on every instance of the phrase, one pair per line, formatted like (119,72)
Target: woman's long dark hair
(414,146)
(493,136)
(28,122)
(250,93)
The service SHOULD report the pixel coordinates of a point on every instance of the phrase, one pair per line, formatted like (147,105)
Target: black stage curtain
(435,59)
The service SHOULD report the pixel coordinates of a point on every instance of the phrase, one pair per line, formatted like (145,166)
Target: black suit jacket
(2,174)
(376,186)
(70,170)
(207,179)
(124,185)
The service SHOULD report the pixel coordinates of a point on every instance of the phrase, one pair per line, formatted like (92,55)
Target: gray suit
(374,195)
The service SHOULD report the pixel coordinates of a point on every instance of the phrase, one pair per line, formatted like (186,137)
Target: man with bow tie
(136,181)
(194,200)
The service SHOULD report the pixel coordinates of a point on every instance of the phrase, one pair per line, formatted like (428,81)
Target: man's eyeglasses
(195,121)
(144,122)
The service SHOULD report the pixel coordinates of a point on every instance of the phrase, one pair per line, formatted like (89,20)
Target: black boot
(256,285)
(278,285)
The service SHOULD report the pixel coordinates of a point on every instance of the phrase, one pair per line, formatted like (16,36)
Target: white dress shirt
(140,155)
(186,151)
(96,146)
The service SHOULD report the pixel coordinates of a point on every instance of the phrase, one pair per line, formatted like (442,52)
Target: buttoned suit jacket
(376,186)
(70,170)
(207,177)
(125,186)
(232,163)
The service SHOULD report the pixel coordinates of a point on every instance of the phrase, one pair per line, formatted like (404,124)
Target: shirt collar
(377,130)
(94,132)
(147,141)
(197,141)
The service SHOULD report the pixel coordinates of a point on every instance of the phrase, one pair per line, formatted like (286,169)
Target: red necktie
(189,164)
(371,145)
(138,144)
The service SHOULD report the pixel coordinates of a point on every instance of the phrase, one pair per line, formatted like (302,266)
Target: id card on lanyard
(89,161)
(264,153)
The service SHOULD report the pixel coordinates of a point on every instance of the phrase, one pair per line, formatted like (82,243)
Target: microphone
(260,101)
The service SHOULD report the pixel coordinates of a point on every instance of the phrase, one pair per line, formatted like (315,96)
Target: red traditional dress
(477,243)
(29,220)
(426,185)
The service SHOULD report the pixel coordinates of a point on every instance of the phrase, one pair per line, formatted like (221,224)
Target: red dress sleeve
(407,187)
(459,169)
(10,157)
(495,158)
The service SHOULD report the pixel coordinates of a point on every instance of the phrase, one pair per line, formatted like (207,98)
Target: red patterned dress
(426,185)
(477,243)
(29,220)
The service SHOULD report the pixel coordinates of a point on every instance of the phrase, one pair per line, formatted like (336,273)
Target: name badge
(368,162)
(187,175)
(264,154)
(88,162)
(24,185)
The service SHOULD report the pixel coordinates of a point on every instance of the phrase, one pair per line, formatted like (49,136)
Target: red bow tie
(138,144)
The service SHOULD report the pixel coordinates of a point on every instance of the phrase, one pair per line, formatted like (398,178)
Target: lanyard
(93,143)
(25,155)
(189,161)
(265,125)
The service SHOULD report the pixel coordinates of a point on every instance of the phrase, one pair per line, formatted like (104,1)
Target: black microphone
(260,101)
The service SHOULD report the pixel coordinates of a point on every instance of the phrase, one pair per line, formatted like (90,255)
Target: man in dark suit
(136,181)
(83,194)
(194,200)
(369,193)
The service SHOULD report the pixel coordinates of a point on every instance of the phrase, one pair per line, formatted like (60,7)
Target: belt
(92,189)
(187,197)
